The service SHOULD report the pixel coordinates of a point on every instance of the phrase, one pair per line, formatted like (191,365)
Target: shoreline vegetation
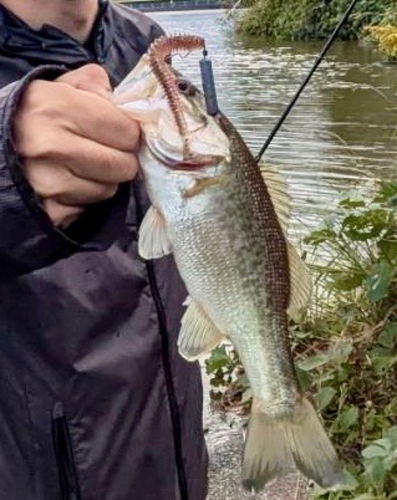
(313,19)
(345,346)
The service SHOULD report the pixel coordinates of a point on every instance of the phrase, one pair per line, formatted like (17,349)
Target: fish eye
(186,88)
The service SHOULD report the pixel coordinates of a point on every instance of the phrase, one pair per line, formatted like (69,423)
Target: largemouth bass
(224,220)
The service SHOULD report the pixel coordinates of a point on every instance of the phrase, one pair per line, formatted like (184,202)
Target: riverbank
(310,19)
(173,5)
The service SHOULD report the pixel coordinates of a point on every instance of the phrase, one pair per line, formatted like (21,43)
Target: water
(340,136)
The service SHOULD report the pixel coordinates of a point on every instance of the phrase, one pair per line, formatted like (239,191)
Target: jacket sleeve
(28,239)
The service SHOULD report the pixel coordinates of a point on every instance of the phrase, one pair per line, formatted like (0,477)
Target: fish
(225,219)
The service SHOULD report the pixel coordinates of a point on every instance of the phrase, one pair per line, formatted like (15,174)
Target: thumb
(91,78)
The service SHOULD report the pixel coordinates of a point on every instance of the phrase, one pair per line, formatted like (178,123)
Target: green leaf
(374,450)
(304,379)
(314,362)
(342,351)
(376,469)
(350,483)
(388,336)
(348,417)
(387,191)
(379,282)
(391,434)
(351,203)
(365,226)
(324,397)
(218,359)
(385,442)
(345,282)
(320,236)
(381,363)
(388,249)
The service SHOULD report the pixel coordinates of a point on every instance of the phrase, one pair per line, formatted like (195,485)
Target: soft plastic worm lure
(159,51)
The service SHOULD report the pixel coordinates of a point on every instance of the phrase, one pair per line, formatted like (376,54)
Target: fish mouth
(179,162)
(159,55)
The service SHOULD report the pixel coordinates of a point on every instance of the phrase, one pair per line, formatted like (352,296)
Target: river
(340,137)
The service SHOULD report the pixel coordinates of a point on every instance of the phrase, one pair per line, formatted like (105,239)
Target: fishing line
(307,80)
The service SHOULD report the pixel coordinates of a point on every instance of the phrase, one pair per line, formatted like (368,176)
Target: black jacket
(95,402)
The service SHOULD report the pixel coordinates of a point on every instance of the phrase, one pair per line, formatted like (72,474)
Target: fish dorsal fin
(198,334)
(153,239)
(301,282)
(278,190)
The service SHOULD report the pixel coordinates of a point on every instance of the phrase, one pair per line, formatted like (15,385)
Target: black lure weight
(207,79)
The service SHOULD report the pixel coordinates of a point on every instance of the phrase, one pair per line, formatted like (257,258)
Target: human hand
(75,145)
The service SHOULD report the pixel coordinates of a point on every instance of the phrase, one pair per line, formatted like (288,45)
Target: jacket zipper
(165,351)
(64,455)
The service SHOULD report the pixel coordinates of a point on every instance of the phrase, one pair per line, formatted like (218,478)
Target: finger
(96,162)
(87,192)
(101,121)
(64,187)
(105,123)
(57,108)
(91,78)
(61,215)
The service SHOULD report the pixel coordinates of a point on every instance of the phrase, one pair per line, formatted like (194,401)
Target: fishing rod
(319,59)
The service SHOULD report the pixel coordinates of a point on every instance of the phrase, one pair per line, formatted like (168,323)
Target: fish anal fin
(153,240)
(301,282)
(198,335)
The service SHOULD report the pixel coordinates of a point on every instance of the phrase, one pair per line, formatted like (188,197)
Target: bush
(346,346)
(386,37)
(306,19)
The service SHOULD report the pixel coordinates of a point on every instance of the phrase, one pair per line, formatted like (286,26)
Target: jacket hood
(51,45)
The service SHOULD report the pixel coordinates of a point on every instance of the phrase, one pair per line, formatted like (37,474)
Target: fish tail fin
(275,447)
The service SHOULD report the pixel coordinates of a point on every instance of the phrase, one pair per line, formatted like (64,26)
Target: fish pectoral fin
(301,282)
(198,335)
(153,240)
